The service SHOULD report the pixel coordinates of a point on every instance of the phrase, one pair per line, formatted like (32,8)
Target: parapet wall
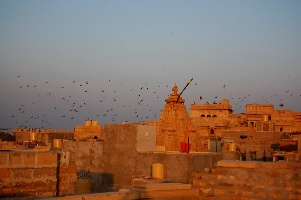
(250,180)
(36,174)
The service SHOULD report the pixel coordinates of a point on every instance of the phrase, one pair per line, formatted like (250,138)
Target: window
(214,116)
(202,115)
(208,115)
(252,124)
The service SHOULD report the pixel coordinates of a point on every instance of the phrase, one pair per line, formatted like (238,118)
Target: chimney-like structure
(174,125)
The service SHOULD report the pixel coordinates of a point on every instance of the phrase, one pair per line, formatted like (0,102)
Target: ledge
(257,164)
(237,164)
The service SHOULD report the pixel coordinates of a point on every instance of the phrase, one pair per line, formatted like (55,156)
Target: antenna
(184,88)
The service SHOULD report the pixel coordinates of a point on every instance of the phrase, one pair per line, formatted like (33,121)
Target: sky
(63,62)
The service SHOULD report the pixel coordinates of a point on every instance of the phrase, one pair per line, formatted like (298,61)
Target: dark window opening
(243,137)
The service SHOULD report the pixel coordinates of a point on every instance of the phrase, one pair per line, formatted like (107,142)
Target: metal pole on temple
(188,146)
(184,88)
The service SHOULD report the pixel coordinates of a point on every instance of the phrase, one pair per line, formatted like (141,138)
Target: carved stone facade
(174,125)
(216,120)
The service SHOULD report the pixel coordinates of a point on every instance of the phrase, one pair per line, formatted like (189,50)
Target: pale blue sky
(252,47)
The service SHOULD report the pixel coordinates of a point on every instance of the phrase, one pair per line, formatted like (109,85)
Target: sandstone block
(29,160)
(273,174)
(4,173)
(261,194)
(205,190)
(3,159)
(225,184)
(219,191)
(247,193)
(196,175)
(44,172)
(259,186)
(47,158)
(22,173)
(233,191)
(276,196)
(16,159)
(199,183)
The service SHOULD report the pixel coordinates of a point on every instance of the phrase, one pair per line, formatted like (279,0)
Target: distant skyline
(63,62)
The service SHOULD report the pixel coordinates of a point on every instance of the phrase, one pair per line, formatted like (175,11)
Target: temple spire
(174,97)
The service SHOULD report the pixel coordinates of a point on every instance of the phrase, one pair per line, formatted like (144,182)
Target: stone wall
(250,180)
(88,157)
(36,174)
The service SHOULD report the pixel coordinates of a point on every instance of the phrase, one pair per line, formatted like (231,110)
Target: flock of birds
(76,100)
(111,102)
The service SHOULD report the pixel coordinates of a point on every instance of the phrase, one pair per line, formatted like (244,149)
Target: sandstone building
(91,129)
(41,135)
(259,128)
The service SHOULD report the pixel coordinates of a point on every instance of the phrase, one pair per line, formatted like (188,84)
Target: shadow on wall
(100,182)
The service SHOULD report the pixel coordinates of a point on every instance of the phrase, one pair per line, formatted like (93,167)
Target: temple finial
(175,89)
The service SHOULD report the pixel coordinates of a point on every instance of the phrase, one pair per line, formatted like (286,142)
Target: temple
(174,125)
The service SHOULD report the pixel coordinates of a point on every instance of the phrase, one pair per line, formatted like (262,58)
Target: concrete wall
(120,144)
(250,180)
(35,174)
(122,162)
